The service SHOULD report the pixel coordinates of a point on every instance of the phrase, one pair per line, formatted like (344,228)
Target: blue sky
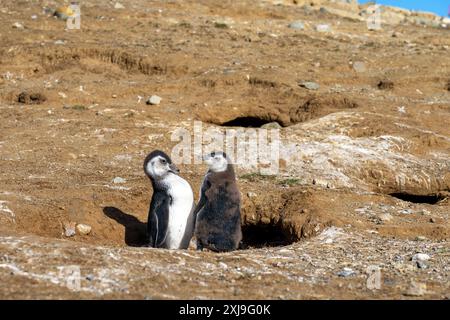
(437,6)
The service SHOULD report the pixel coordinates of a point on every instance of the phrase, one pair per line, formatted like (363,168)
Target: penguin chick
(218,213)
(170,218)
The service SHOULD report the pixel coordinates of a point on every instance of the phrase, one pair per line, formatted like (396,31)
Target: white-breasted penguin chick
(218,213)
(170,218)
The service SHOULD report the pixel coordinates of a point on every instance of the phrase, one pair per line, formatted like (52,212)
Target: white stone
(154,100)
(84,229)
(420,257)
(119,180)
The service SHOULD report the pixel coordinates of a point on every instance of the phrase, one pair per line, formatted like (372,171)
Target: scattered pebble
(60,42)
(323,28)
(18,25)
(63,13)
(34,17)
(154,100)
(421,264)
(69,229)
(118,5)
(346,272)
(297,25)
(420,257)
(84,229)
(401,109)
(119,180)
(251,194)
(359,66)
(309,85)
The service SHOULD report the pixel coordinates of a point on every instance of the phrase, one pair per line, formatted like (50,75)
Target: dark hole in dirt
(385,85)
(247,122)
(263,235)
(31,98)
(430,199)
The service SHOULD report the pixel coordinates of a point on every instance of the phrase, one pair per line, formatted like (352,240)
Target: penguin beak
(173,168)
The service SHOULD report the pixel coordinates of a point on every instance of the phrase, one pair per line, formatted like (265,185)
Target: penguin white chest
(180,209)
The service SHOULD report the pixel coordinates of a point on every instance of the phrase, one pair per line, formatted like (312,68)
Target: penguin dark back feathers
(218,217)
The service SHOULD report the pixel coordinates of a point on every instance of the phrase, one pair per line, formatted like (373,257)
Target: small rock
(64,12)
(154,100)
(420,257)
(323,28)
(90,277)
(118,5)
(432,220)
(309,85)
(421,264)
(18,25)
(271,125)
(84,229)
(221,25)
(406,211)
(323,10)
(69,229)
(34,17)
(60,42)
(346,272)
(114,96)
(359,66)
(119,180)
(251,194)
(416,289)
(385,85)
(297,25)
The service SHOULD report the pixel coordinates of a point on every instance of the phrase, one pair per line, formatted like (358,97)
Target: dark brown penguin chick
(218,213)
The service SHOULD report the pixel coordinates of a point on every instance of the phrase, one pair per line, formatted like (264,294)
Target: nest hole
(246,122)
(262,235)
(414,198)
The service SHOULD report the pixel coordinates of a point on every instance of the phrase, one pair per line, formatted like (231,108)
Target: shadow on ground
(135,230)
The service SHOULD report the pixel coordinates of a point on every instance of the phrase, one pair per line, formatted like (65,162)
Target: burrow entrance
(414,198)
(246,122)
(261,235)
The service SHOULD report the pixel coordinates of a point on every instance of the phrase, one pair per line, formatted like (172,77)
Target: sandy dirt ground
(362,190)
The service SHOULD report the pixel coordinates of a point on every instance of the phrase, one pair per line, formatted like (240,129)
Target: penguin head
(217,161)
(158,165)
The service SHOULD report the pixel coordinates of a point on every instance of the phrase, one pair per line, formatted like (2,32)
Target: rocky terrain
(357,209)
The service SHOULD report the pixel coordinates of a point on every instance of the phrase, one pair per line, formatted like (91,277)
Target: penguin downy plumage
(218,212)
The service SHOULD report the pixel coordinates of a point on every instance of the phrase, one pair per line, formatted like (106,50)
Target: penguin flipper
(158,220)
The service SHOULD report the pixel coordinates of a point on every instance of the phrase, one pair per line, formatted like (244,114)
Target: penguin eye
(163,161)
(213,154)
